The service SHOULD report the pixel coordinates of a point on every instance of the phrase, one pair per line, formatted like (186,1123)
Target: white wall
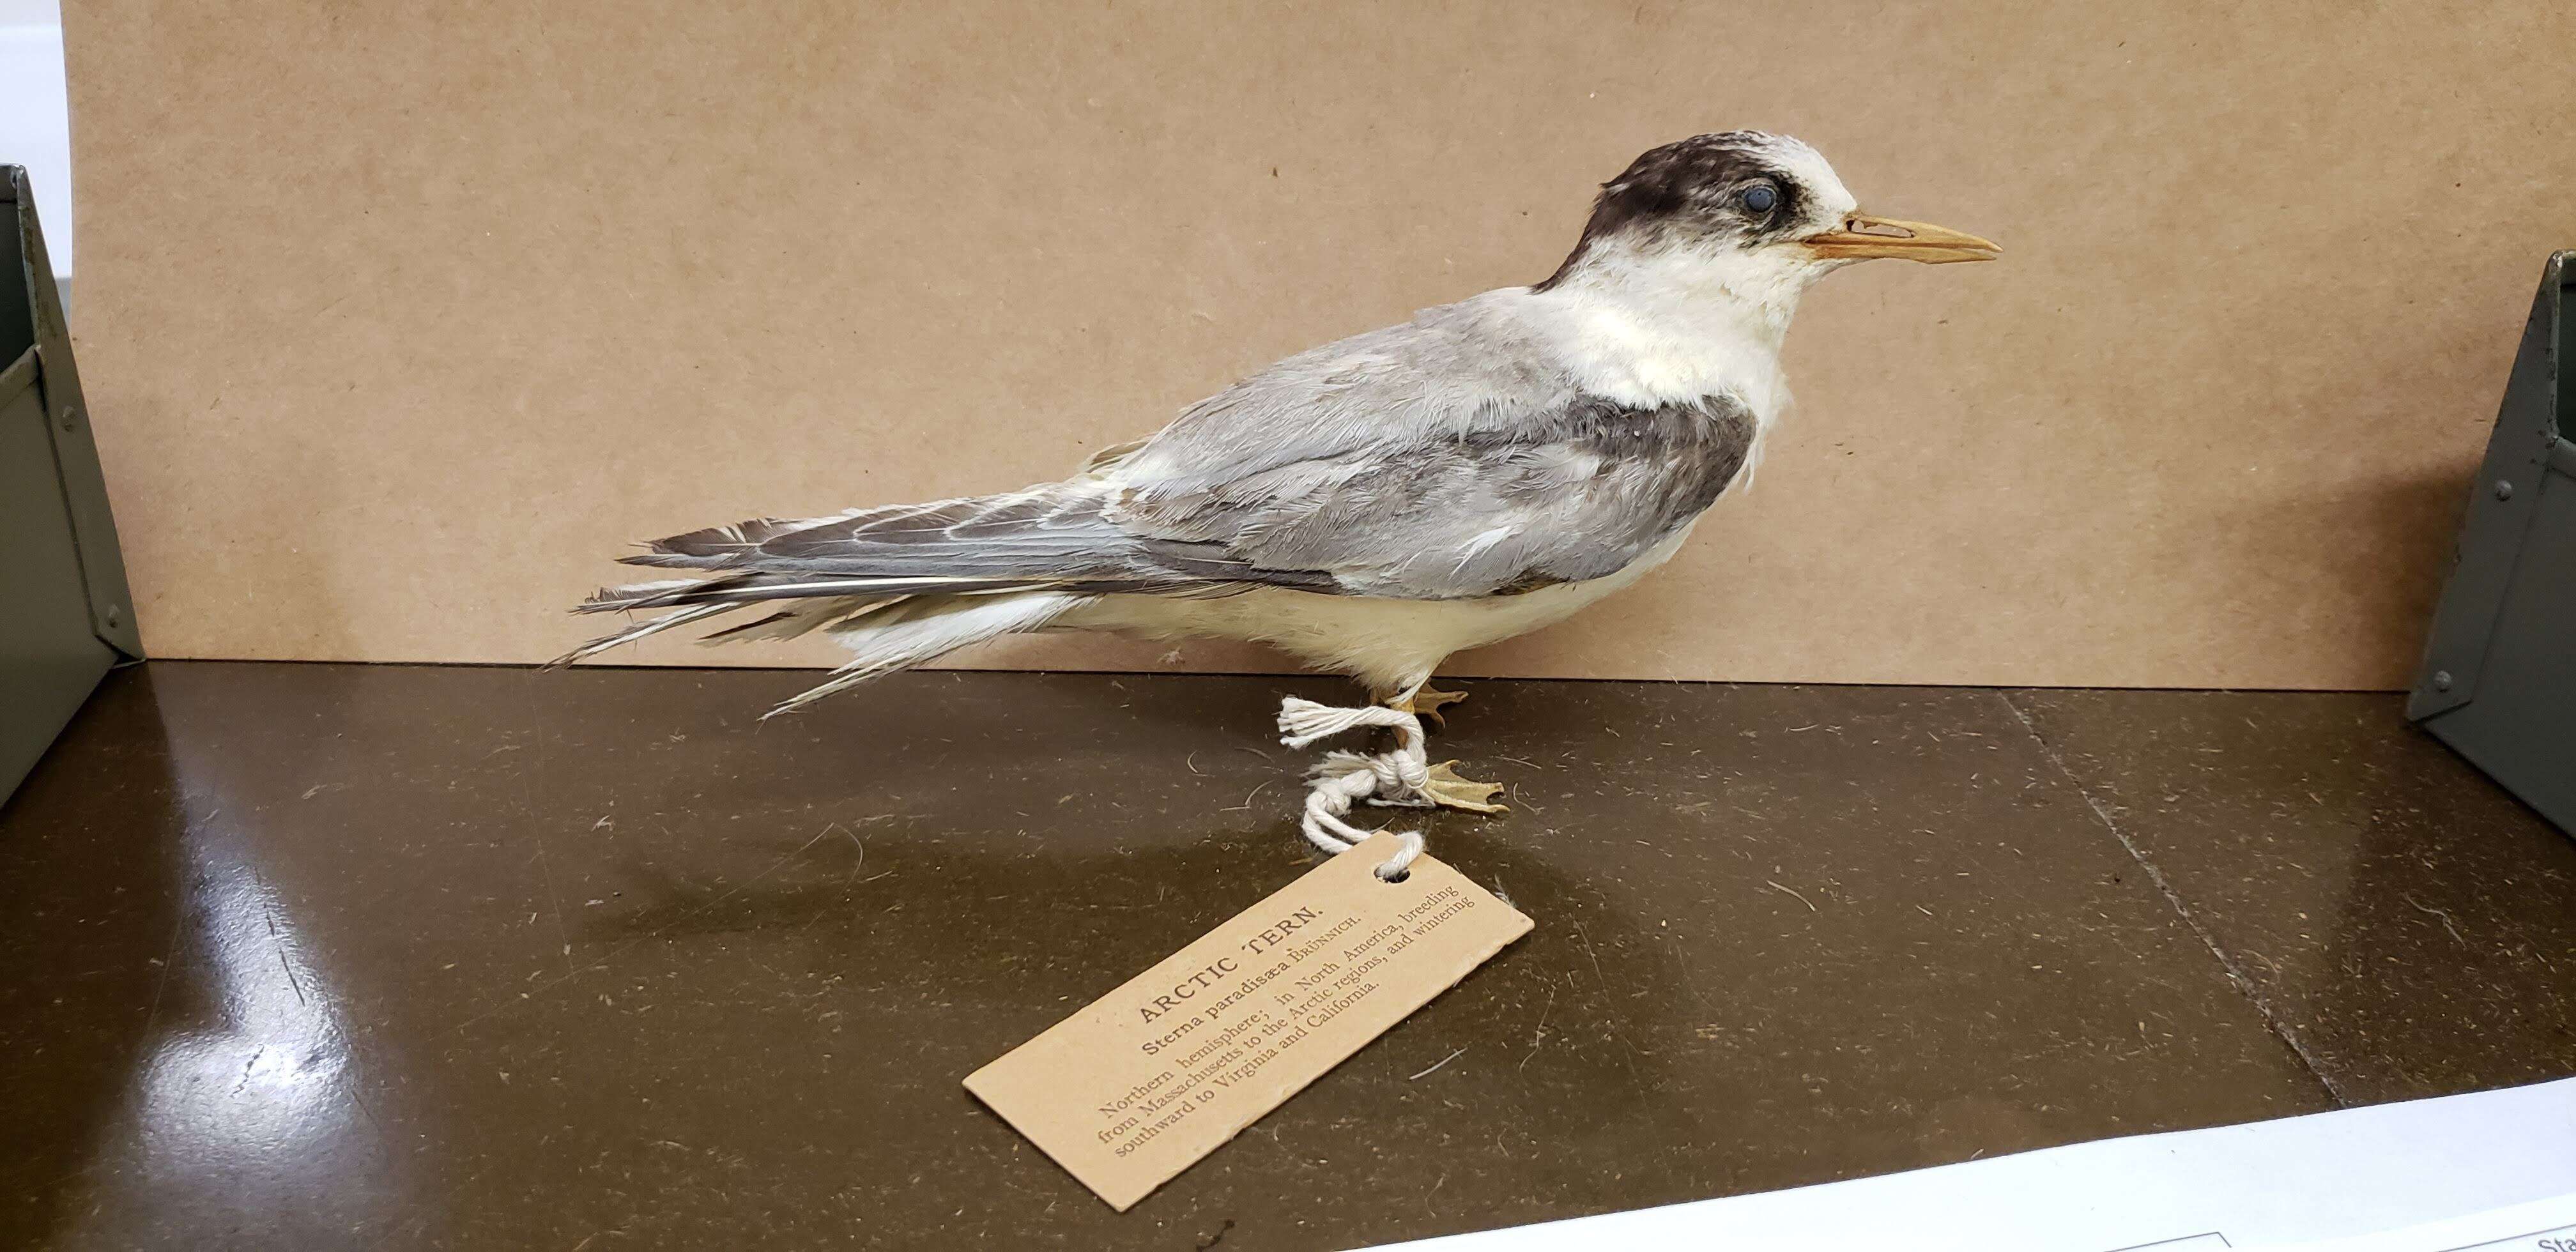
(35,127)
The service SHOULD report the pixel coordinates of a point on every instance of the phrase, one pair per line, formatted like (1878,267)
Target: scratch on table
(2444,914)
(1538,1036)
(1435,1066)
(1579,933)
(1792,892)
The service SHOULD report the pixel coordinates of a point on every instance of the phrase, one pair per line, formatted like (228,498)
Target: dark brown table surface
(340,956)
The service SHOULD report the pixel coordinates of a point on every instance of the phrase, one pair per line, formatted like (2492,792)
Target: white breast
(1389,644)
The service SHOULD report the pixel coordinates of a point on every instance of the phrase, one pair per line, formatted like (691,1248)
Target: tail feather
(745,588)
(661,594)
(801,620)
(653,626)
(920,630)
(901,585)
(1042,528)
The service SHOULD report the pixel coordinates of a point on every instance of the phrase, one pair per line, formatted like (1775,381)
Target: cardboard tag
(1138,1085)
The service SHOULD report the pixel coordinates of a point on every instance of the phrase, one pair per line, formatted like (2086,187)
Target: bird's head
(1756,214)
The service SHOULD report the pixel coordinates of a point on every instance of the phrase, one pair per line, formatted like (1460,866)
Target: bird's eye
(1760,197)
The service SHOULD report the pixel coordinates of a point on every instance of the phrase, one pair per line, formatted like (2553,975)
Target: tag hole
(1396,877)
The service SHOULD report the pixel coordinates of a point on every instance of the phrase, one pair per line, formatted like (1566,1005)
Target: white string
(1346,778)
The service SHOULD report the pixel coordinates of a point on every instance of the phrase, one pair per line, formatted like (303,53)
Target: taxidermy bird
(1370,506)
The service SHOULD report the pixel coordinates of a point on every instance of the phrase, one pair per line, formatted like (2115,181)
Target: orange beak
(1863,236)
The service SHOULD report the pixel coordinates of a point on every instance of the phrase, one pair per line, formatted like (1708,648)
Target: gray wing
(1447,457)
(1466,369)
(1574,494)
(1450,456)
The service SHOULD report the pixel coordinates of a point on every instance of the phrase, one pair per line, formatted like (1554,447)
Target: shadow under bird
(1488,468)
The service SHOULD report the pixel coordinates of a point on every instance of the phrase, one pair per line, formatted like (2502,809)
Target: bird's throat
(1664,328)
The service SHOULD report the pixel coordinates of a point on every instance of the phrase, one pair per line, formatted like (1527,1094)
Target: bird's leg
(1442,785)
(1422,700)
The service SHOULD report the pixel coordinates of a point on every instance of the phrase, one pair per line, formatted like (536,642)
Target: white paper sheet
(35,123)
(2541,1226)
(2358,1180)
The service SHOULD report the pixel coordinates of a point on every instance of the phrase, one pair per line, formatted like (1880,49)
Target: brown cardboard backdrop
(398,324)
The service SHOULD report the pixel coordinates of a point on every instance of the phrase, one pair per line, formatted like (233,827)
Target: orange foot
(1425,701)
(1449,791)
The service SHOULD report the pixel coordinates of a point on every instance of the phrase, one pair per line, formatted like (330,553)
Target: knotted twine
(1345,778)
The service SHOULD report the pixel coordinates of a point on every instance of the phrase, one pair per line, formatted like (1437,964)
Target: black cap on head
(1738,184)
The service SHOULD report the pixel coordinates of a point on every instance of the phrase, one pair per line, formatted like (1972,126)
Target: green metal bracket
(70,615)
(2498,681)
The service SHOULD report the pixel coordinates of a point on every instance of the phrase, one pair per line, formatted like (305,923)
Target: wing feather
(1444,458)
(1574,495)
